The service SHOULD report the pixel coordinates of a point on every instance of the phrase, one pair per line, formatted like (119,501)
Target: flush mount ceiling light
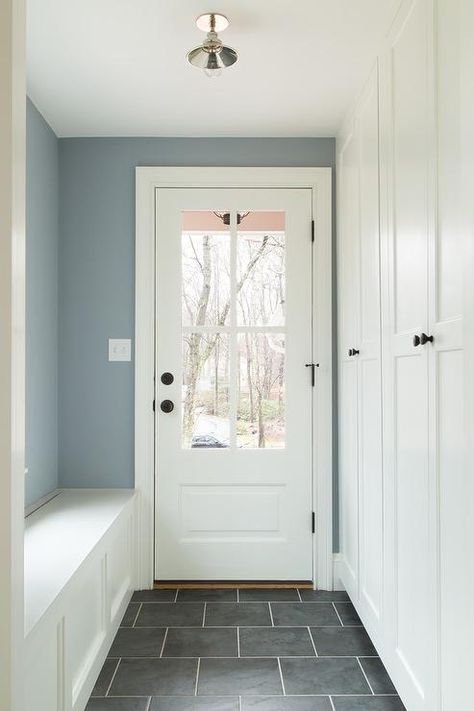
(212,56)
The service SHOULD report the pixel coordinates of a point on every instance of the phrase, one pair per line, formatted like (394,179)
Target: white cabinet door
(369,365)
(348,244)
(410,483)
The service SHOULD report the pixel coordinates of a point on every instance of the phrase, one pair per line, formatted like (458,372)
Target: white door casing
(239,512)
(319,181)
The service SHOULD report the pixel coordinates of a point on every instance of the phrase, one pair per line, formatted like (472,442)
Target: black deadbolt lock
(167,378)
(167,406)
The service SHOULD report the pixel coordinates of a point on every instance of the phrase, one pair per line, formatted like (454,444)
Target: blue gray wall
(42,185)
(96,282)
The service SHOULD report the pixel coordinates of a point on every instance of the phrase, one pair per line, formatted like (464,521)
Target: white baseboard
(337,560)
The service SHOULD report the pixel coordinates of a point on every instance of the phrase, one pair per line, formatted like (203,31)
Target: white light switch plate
(120,349)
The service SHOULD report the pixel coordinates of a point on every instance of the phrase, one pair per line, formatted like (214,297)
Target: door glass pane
(261,269)
(205,269)
(205,391)
(261,390)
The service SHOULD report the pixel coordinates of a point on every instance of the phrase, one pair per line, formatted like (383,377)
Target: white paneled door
(233,393)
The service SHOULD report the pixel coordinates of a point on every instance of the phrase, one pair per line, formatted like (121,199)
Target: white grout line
(149,704)
(332,703)
(176,596)
(271,614)
(337,613)
(238,641)
(299,595)
(281,676)
(136,616)
(366,677)
(197,676)
(240,703)
(113,677)
(312,642)
(164,642)
(238,597)
(204,614)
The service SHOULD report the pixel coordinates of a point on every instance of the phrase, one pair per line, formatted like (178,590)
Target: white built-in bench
(79,576)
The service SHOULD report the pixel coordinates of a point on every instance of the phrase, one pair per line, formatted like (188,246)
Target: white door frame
(319,181)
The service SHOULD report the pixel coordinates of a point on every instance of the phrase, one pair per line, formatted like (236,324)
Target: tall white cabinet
(401,362)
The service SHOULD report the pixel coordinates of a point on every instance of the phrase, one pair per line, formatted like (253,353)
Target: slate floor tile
(378,677)
(275,595)
(154,677)
(323,676)
(237,614)
(324,596)
(201,642)
(197,703)
(239,676)
(348,614)
(110,704)
(298,614)
(105,677)
(170,615)
(368,703)
(130,614)
(286,703)
(275,642)
(202,595)
(154,596)
(136,642)
(342,641)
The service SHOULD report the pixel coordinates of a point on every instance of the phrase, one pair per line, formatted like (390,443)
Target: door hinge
(313,522)
(313,367)
(312,230)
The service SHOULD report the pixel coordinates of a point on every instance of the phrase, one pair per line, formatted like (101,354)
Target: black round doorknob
(167,406)
(416,340)
(426,339)
(167,378)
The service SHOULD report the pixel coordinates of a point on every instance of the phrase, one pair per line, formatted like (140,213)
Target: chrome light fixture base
(212,56)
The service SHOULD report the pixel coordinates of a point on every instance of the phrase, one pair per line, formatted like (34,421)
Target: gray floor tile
(324,596)
(186,614)
(136,642)
(348,614)
(239,676)
(198,703)
(368,703)
(109,704)
(201,642)
(342,641)
(377,675)
(105,677)
(277,595)
(154,596)
(296,614)
(130,614)
(207,595)
(323,676)
(168,677)
(237,614)
(275,642)
(286,703)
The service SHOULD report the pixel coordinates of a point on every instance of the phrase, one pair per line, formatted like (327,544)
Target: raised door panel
(370,398)
(348,338)
(409,486)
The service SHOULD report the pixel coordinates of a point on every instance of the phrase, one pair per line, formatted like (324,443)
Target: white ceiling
(118,67)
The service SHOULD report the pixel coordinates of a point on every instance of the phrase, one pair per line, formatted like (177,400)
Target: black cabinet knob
(416,340)
(426,339)
(350,352)
(355,351)
(167,378)
(167,406)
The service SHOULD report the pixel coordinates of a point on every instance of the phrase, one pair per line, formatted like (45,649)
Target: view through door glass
(233,329)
